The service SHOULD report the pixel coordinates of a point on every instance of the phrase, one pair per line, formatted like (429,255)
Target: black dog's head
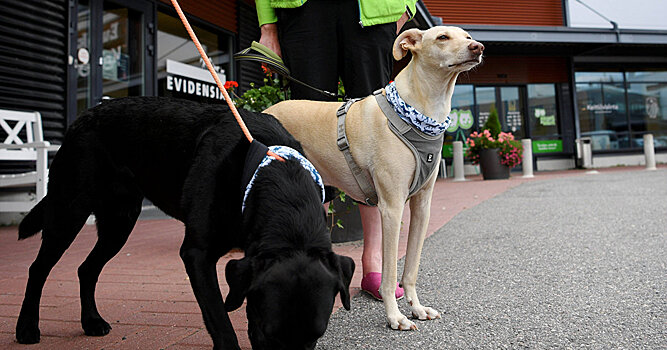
(290,276)
(289,300)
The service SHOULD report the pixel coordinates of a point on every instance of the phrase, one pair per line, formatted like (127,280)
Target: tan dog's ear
(408,40)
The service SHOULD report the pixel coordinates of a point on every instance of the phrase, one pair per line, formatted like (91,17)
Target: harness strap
(363,179)
(256,153)
(403,131)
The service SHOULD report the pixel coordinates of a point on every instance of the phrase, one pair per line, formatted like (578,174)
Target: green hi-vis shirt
(371,11)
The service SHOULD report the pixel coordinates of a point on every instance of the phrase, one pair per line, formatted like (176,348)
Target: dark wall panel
(33,60)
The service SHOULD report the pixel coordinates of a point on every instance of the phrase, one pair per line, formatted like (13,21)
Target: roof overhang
(564,35)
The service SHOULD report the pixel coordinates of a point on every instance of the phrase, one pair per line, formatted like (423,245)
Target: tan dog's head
(440,47)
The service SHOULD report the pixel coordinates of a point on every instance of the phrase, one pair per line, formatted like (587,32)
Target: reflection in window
(123,52)
(602,114)
(647,76)
(598,77)
(486,100)
(543,112)
(511,115)
(648,113)
(190,81)
(462,116)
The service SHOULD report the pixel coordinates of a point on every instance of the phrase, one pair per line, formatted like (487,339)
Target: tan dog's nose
(476,47)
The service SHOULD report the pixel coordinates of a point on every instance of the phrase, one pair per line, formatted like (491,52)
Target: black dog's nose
(476,48)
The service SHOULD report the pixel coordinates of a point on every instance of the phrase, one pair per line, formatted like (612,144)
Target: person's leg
(371,259)
(307,37)
(366,60)
(366,64)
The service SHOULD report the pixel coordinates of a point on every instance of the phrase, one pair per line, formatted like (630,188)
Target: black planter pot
(349,216)
(492,169)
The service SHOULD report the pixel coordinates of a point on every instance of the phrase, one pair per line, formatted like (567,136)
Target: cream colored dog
(439,54)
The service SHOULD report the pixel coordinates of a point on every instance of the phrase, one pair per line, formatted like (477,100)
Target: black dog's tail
(33,222)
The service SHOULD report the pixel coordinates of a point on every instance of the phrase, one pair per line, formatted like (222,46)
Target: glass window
(648,76)
(463,119)
(648,113)
(486,99)
(82,63)
(511,115)
(463,103)
(598,77)
(543,111)
(602,114)
(181,71)
(123,52)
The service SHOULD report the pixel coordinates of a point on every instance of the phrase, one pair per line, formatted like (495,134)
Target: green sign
(546,120)
(454,124)
(461,118)
(547,146)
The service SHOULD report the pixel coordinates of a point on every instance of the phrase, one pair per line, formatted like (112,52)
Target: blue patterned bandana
(287,153)
(410,115)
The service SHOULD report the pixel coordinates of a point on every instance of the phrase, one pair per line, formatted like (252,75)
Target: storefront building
(554,81)
(61,57)
(549,80)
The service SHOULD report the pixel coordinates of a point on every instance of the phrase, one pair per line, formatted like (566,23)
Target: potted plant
(495,151)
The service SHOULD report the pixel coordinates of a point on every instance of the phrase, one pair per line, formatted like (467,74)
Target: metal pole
(459,174)
(527,158)
(649,152)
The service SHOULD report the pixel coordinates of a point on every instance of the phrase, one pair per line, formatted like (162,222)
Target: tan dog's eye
(443,37)
(469,38)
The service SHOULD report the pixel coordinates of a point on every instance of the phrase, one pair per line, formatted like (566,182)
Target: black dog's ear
(345,267)
(238,274)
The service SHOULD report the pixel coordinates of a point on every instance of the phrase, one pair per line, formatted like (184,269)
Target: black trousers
(323,40)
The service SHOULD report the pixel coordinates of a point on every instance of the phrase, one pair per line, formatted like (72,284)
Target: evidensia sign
(190,80)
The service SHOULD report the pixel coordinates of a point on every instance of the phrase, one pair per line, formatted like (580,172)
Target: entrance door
(509,102)
(114,51)
(512,111)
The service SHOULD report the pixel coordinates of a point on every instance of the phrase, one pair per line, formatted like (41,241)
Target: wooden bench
(24,142)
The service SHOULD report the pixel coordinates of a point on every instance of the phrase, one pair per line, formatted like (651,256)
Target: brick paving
(144,292)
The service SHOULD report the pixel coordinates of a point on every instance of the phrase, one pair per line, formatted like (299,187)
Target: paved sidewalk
(144,291)
(570,263)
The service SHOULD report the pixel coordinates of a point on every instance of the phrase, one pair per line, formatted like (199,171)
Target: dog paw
(401,323)
(27,334)
(425,313)
(96,327)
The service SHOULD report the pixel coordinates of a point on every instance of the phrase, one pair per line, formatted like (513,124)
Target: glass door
(114,50)
(512,111)
(486,101)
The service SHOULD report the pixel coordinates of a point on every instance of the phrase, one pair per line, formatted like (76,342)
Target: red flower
(230,84)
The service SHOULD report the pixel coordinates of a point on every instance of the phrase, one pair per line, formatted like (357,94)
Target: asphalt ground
(568,263)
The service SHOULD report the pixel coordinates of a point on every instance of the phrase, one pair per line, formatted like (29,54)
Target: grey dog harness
(425,148)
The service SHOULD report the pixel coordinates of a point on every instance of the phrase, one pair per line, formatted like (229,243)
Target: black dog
(188,159)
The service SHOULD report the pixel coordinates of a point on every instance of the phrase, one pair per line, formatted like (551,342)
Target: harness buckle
(342,143)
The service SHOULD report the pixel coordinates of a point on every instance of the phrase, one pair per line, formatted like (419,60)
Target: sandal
(371,285)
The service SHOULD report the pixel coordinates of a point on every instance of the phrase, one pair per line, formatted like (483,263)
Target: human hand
(401,22)
(269,37)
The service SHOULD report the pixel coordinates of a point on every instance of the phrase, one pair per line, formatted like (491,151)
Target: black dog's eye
(443,37)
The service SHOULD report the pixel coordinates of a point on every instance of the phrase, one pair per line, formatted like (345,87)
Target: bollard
(459,174)
(649,152)
(442,172)
(587,153)
(527,158)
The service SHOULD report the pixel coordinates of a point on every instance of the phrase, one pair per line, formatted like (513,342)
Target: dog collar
(428,126)
(287,153)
